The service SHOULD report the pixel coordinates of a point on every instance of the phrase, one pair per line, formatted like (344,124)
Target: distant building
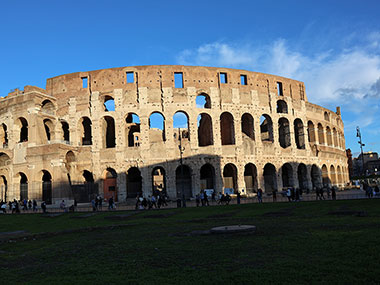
(371,163)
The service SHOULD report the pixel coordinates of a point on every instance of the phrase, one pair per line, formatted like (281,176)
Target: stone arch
(227,129)
(110,184)
(230,177)
(49,129)
(203,101)
(332,175)
(5,160)
(270,178)
(329,136)
(3,188)
(88,176)
(339,175)
(207,176)
(65,131)
(23,180)
(109,137)
(22,125)
(299,133)
(302,176)
(109,103)
(287,175)
(183,181)
(132,130)
(47,191)
(326,116)
(284,132)
(4,135)
(266,128)
(247,126)
(85,129)
(321,134)
(47,106)
(205,130)
(181,122)
(282,107)
(316,177)
(134,182)
(158,180)
(335,137)
(310,131)
(156,127)
(325,176)
(250,178)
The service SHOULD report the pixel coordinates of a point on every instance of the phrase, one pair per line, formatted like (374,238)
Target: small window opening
(130,77)
(84,82)
(178,80)
(109,104)
(243,79)
(223,78)
(279,89)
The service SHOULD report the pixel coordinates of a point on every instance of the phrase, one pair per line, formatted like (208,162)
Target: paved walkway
(130,204)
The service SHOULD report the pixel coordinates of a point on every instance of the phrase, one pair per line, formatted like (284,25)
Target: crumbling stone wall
(290,146)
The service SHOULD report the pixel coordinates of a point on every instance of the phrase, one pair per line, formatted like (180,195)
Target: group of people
(157,200)
(370,191)
(14,206)
(97,203)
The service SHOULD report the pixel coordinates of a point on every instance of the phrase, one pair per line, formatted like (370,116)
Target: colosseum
(176,129)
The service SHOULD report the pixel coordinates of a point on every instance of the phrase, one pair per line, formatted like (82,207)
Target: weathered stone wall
(240,158)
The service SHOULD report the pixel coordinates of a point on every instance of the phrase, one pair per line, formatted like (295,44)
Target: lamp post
(359,135)
(181,149)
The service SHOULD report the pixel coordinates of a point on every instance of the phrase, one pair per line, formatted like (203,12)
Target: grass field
(331,242)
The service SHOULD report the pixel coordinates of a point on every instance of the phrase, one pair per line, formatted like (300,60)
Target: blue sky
(333,46)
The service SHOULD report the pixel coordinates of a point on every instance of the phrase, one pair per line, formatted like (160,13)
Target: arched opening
(23,125)
(310,131)
(299,134)
(4,159)
(230,178)
(183,181)
(207,176)
(181,126)
(315,176)
(266,128)
(302,176)
(203,101)
(4,135)
(109,104)
(132,130)
(134,182)
(270,180)
(335,137)
(205,134)
(88,176)
(85,127)
(332,175)
(65,131)
(284,132)
(325,176)
(247,126)
(47,187)
(339,175)
(3,188)
(282,107)
(321,135)
(156,127)
(49,129)
(47,106)
(109,140)
(329,136)
(158,181)
(227,130)
(287,175)
(326,117)
(23,186)
(109,184)
(70,158)
(250,178)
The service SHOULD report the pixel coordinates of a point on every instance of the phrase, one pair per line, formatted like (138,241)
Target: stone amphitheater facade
(114,132)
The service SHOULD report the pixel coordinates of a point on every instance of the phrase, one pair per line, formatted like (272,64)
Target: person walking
(289,194)
(238,198)
(274,195)
(34,205)
(333,193)
(260,195)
